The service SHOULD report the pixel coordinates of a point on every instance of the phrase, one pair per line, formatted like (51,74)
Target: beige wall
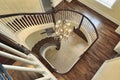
(32,39)
(109,70)
(22,35)
(20,6)
(55,2)
(112,14)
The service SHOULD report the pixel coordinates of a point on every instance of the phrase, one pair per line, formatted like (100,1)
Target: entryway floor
(65,58)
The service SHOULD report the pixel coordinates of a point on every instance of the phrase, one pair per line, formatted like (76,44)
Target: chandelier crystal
(63,28)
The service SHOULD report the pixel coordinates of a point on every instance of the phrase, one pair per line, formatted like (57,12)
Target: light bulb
(56,32)
(70,30)
(68,24)
(67,36)
(65,26)
(61,30)
(61,36)
(59,21)
(57,26)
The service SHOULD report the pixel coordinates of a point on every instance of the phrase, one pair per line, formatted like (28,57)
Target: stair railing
(20,21)
(28,59)
(83,23)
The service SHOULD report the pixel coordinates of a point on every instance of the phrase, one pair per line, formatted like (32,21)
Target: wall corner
(118,30)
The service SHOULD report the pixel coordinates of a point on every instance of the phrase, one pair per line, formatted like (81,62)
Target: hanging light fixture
(63,26)
(63,29)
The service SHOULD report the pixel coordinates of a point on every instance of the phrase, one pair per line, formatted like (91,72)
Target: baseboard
(68,0)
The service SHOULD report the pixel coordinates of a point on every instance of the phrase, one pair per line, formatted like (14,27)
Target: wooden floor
(22,75)
(102,50)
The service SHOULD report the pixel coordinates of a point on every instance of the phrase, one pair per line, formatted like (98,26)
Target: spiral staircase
(20,26)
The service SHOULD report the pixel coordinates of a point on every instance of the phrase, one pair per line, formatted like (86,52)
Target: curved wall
(22,35)
(32,39)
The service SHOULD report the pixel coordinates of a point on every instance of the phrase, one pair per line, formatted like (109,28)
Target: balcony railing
(20,21)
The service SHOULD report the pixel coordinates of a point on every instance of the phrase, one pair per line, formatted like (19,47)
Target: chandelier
(63,29)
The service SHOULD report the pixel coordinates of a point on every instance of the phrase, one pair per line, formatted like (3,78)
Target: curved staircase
(24,24)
